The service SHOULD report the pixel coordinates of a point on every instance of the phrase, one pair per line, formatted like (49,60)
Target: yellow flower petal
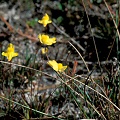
(46,17)
(53,64)
(52,40)
(44,50)
(15,54)
(4,54)
(9,56)
(61,68)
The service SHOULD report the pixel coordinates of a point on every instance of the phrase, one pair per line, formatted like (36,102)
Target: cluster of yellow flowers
(44,39)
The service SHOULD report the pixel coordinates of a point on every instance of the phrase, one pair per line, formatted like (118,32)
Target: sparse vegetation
(60,60)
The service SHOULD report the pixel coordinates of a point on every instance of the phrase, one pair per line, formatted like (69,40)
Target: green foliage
(60,7)
(32,22)
(59,20)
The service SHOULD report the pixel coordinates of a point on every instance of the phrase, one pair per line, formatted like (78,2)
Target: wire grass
(94,98)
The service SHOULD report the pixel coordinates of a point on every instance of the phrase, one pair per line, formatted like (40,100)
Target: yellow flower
(44,39)
(44,50)
(45,20)
(10,52)
(56,66)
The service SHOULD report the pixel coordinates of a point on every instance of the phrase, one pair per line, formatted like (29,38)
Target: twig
(26,35)
(112,19)
(62,32)
(13,30)
(92,34)
(7,23)
(18,65)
